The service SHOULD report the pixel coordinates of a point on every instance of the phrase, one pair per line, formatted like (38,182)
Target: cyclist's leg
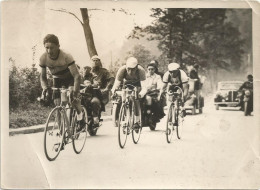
(75,103)
(56,97)
(137,109)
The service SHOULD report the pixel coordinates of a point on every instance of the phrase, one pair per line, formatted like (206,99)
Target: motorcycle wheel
(152,126)
(91,131)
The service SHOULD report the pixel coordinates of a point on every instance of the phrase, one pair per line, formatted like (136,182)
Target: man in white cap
(100,78)
(175,77)
(134,74)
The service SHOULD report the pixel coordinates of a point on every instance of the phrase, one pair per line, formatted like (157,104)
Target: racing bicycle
(128,121)
(174,114)
(63,128)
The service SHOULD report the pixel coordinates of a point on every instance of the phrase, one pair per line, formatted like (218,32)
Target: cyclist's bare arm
(43,78)
(116,85)
(75,73)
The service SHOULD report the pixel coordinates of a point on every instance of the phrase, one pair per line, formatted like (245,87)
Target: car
(227,94)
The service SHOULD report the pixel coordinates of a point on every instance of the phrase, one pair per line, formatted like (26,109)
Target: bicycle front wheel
(79,131)
(54,133)
(169,123)
(123,125)
(137,124)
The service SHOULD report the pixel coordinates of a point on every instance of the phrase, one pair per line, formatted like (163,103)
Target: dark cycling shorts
(66,82)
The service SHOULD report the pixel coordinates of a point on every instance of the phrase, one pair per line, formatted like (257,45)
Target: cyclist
(175,77)
(153,82)
(134,74)
(100,78)
(64,71)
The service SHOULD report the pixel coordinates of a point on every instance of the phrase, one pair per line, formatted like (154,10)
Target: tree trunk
(88,33)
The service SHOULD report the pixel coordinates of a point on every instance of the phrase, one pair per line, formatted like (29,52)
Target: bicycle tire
(169,123)
(123,125)
(136,133)
(79,133)
(59,133)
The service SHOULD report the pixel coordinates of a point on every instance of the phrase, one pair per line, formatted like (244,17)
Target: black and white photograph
(130,94)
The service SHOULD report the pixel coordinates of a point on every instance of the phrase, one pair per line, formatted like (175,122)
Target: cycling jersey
(178,81)
(59,67)
(123,76)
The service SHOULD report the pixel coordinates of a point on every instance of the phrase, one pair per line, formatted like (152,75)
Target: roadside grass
(35,114)
(29,115)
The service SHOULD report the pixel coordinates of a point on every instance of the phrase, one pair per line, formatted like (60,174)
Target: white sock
(79,116)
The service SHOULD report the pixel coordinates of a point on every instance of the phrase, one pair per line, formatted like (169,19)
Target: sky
(27,22)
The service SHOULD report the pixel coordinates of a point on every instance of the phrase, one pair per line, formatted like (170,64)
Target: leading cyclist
(64,71)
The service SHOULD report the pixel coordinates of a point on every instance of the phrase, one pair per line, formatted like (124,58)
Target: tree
(86,27)
(203,36)
(141,54)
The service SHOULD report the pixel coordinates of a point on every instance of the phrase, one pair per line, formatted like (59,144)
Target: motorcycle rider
(248,85)
(134,74)
(156,68)
(100,78)
(153,82)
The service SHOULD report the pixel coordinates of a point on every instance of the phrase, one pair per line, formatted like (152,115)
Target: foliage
(24,85)
(202,36)
(141,54)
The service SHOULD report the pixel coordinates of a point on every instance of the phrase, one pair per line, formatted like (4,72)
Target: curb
(39,128)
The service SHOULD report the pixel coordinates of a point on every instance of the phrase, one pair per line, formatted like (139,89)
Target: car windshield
(229,86)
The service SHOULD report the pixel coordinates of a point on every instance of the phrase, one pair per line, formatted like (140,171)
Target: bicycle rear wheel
(137,125)
(169,123)
(79,131)
(54,133)
(123,125)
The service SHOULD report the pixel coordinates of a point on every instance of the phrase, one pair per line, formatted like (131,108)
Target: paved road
(219,149)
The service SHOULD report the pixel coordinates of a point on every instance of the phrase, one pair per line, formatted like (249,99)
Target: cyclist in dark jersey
(175,77)
(63,69)
(134,74)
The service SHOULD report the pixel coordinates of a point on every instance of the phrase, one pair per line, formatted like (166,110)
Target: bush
(24,86)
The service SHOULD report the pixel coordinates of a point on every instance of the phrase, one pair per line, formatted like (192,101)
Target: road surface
(218,149)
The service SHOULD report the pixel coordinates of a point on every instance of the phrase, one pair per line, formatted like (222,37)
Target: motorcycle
(149,117)
(87,92)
